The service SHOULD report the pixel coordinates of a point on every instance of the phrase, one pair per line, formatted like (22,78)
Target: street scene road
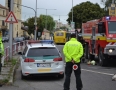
(30,24)
(93,78)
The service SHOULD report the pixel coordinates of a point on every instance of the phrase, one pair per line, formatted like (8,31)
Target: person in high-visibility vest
(73,51)
(1,48)
(1,44)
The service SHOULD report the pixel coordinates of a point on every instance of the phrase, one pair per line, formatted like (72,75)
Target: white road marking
(97,72)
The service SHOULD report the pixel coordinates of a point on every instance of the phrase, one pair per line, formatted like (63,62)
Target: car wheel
(22,76)
(61,76)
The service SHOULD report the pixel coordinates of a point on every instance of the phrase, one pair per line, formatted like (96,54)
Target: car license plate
(44,70)
(43,65)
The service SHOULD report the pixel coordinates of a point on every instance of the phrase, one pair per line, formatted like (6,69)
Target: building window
(18,3)
(3,23)
(17,27)
(3,13)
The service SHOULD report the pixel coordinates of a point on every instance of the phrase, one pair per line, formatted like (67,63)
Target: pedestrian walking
(73,51)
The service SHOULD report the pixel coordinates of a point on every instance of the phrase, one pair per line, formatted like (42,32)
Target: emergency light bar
(108,18)
(40,41)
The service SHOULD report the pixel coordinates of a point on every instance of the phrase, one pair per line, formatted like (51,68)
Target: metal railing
(19,46)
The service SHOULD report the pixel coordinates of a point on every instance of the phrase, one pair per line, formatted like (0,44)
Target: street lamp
(72,10)
(35,11)
(72,23)
(46,15)
(35,22)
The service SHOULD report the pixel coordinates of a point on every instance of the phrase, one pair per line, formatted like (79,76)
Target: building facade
(60,24)
(3,15)
(17,31)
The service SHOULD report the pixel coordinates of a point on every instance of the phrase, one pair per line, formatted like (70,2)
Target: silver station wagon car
(41,58)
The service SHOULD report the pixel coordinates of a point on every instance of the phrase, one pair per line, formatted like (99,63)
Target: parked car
(19,39)
(5,39)
(41,58)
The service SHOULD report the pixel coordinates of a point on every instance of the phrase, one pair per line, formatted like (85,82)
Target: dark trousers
(68,72)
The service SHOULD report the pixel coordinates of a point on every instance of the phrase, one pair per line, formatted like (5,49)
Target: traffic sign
(72,25)
(79,30)
(11,18)
(75,67)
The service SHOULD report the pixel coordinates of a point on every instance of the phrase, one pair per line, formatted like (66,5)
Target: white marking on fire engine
(97,72)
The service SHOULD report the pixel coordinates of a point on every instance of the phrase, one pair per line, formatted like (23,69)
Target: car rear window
(59,34)
(42,52)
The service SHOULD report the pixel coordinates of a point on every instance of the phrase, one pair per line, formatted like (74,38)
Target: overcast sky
(62,7)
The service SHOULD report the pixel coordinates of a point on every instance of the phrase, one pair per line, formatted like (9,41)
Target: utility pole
(46,19)
(113,1)
(59,22)
(35,22)
(72,10)
(11,31)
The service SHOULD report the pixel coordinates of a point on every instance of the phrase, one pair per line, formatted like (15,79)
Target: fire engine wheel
(102,60)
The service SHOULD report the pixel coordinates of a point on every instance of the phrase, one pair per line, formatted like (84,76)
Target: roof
(3,7)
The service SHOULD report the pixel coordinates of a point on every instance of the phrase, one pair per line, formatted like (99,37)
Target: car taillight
(29,60)
(57,59)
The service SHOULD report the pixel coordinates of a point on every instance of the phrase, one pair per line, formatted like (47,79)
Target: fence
(19,46)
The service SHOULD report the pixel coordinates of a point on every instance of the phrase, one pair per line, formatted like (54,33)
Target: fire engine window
(112,27)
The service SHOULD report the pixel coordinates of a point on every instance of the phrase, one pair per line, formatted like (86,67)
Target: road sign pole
(35,32)
(11,32)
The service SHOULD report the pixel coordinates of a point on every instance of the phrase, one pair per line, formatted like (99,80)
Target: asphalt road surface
(93,78)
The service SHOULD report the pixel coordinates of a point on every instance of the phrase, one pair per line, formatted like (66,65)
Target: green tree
(41,24)
(30,23)
(84,12)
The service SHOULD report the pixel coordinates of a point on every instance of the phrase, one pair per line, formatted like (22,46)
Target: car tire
(61,76)
(22,76)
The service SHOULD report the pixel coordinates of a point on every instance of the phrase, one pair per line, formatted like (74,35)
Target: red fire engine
(100,39)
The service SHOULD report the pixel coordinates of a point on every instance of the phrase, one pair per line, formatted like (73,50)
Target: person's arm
(65,52)
(80,54)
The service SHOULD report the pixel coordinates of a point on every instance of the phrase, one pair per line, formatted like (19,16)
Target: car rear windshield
(42,52)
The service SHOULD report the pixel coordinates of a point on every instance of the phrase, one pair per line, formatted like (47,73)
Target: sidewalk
(8,71)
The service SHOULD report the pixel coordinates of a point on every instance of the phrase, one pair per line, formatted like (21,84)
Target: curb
(11,79)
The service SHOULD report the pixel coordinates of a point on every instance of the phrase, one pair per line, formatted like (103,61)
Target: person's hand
(73,61)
